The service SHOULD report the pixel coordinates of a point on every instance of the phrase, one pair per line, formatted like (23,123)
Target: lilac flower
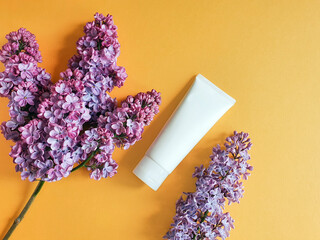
(55,126)
(8,133)
(36,151)
(96,174)
(5,88)
(127,122)
(89,144)
(23,82)
(109,169)
(21,44)
(30,132)
(200,215)
(71,103)
(43,167)
(54,143)
(18,114)
(62,88)
(143,106)
(43,78)
(118,128)
(25,70)
(58,132)
(24,97)
(133,127)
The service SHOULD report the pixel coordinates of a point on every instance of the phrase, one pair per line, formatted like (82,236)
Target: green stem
(23,212)
(87,160)
(204,216)
(35,193)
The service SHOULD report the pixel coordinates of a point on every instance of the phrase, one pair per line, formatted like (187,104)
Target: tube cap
(150,172)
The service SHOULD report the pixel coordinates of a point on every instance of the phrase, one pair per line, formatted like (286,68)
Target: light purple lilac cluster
(56,126)
(200,215)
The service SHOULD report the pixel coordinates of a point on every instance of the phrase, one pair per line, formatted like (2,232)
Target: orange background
(265,54)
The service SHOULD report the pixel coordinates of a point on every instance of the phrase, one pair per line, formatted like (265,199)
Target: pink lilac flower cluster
(74,120)
(23,82)
(128,121)
(200,215)
(122,127)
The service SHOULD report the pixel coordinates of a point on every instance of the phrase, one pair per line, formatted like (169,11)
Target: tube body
(203,105)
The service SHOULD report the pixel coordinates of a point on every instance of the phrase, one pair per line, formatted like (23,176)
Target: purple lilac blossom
(55,126)
(102,164)
(128,121)
(200,215)
(22,81)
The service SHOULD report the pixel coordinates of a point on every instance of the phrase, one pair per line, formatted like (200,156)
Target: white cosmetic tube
(203,105)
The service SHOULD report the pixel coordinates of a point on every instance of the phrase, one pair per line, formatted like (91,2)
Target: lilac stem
(23,212)
(86,161)
(33,196)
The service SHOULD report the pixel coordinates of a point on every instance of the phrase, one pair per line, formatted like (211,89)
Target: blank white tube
(200,109)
